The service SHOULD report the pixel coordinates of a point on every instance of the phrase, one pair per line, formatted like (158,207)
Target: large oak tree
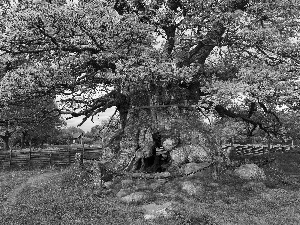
(228,58)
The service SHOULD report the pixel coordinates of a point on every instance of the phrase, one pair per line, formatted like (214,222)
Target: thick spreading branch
(114,98)
(223,112)
(213,38)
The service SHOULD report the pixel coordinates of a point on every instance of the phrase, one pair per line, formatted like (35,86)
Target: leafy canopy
(233,58)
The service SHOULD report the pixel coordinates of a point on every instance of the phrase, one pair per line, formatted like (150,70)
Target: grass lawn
(67,196)
(60,199)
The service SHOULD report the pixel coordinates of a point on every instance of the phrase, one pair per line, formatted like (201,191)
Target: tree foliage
(31,122)
(233,58)
(65,136)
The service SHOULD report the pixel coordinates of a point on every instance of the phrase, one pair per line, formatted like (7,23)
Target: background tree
(66,135)
(32,120)
(229,131)
(29,124)
(101,134)
(290,129)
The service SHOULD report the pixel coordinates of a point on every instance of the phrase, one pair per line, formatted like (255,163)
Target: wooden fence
(66,156)
(42,158)
(258,149)
(259,154)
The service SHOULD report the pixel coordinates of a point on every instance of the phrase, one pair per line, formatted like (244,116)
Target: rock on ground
(108,184)
(126,183)
(157,184)
(250,172)
(213,184)
(135,197)
(191,188)
(153,211)
(189,153)
(122,193)
(162,175)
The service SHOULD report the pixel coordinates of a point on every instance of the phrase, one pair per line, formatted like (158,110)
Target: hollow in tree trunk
(153,162)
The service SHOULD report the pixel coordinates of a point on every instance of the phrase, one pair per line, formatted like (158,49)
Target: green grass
(65,199)
(69,197)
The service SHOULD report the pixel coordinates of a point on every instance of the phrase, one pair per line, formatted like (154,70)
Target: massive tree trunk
(149,159)
(158,92)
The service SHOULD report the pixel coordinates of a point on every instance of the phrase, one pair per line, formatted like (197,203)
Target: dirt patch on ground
(34,181)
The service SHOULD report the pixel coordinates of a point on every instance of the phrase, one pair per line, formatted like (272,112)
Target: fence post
(69,152)
(10,156)
(29,153)
(82,155)
(50,159)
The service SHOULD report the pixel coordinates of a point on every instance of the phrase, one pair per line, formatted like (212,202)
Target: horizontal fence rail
(46,157)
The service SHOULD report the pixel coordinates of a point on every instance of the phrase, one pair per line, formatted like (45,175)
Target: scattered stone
(100,192)
(108,184)
(122,193)
(153,211)
(137,175)
(161,181)
(135,197)
(250,172)
(198,153)
(191,189)
(162,175)
(213,184)
(126,183)
(179,156)
(155,185)
(189,153)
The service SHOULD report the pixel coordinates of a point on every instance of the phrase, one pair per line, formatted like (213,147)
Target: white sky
(89,124)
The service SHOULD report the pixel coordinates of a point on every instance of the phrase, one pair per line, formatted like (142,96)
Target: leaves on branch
(235,58)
